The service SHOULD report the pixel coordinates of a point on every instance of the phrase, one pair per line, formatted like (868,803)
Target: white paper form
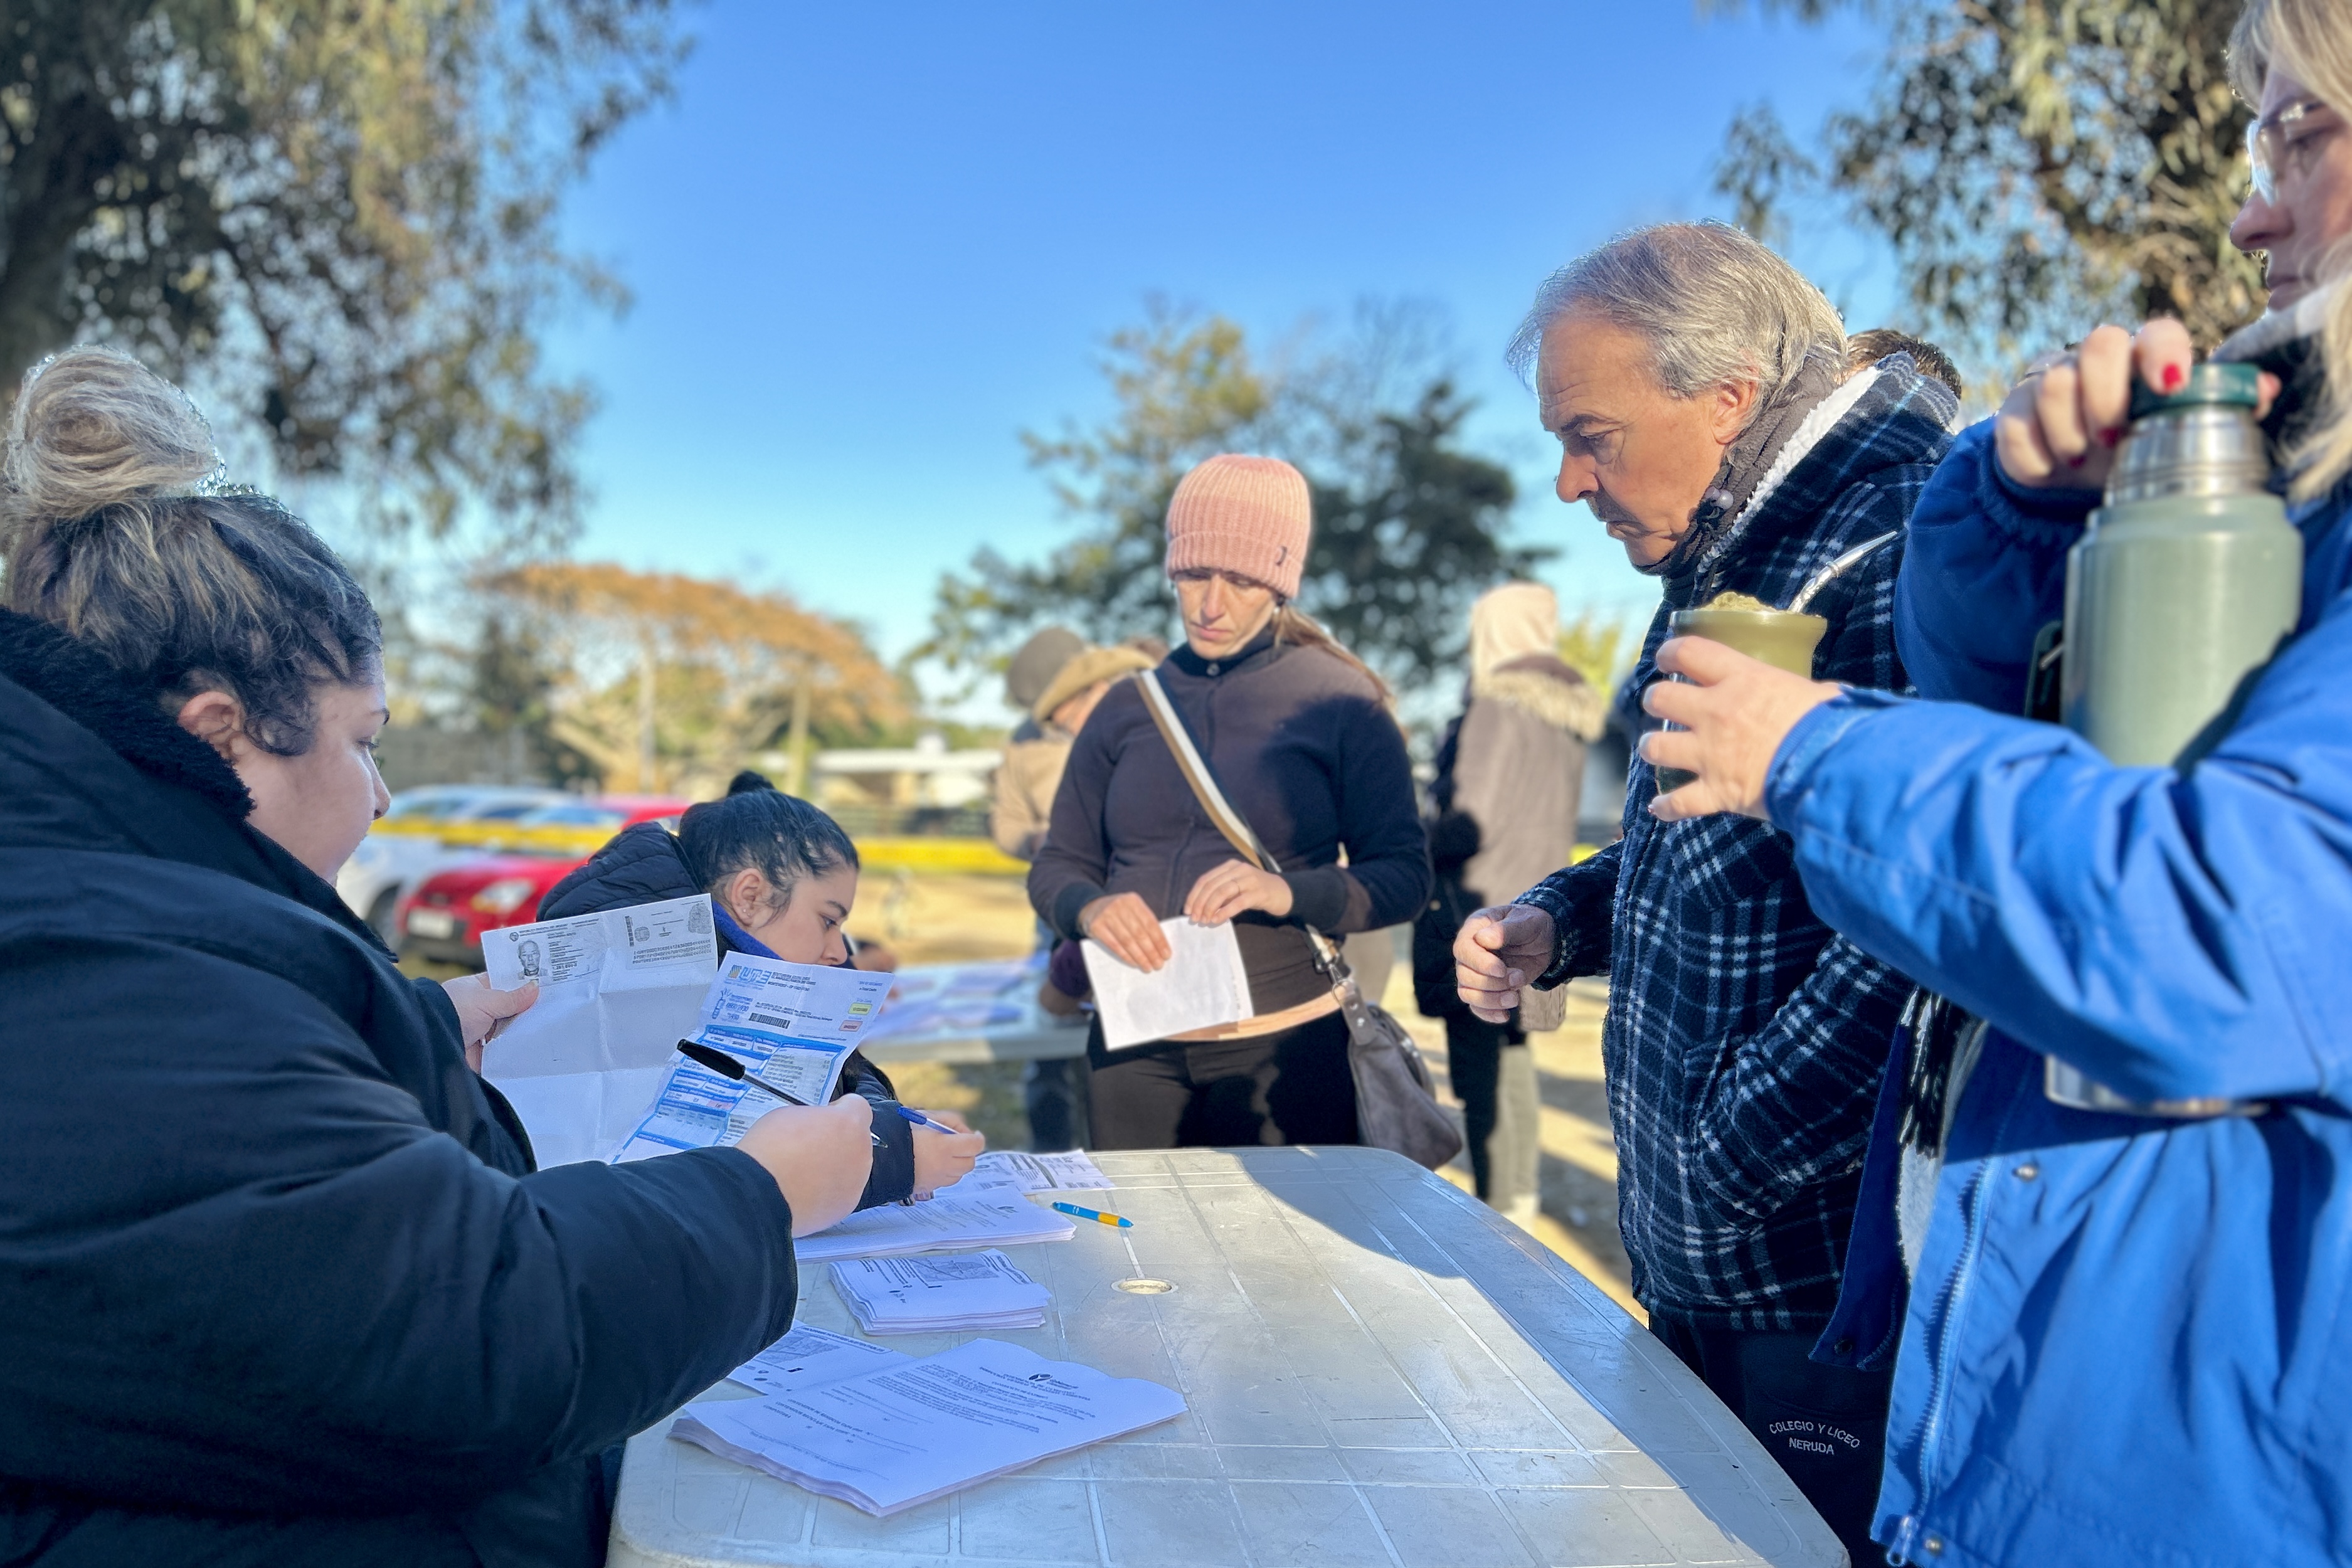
(994,1215)
(1071,1170)
(939,1294)
(812,1357)
(892,1439)
(793,1025)
(616,990)
(1202,984)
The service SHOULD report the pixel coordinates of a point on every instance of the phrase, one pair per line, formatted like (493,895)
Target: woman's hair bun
(93,428)
(746,782)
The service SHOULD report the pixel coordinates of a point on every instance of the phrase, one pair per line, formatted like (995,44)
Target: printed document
(793,1025)
(1068,1172)
(932,1295)
(903,1436)
(616,990)
(812,1357)
(1202,984)
(988,1212)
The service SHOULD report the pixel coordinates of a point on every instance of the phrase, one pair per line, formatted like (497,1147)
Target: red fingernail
(2109,438)
(2076,460)
(2173,376)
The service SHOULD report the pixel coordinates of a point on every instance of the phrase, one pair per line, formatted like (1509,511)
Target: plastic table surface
(1379,1370)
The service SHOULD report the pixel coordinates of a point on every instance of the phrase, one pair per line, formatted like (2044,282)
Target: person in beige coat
(1059,700)
(1510,773)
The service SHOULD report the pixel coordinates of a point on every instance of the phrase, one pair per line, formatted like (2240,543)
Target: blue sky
(869,244)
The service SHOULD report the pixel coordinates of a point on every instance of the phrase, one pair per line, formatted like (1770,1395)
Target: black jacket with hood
(642,864)
(278,1282)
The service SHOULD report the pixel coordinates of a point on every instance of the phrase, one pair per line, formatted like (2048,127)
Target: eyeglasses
(2273,148)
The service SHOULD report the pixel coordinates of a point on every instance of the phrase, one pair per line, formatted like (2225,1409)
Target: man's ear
(1734,405)
(217,719)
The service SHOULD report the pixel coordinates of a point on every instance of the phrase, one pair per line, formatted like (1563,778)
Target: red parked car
(442,918)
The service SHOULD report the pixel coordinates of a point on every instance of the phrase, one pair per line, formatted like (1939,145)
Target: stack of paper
(810,1358)
(1069,1172)
(996,1215)
(933,1295)
(903,1436)
(792,1024)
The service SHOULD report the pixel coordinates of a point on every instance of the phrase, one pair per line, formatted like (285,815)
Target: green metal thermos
(2187,578)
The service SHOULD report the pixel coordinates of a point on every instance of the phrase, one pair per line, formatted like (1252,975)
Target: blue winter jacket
(2125,1340)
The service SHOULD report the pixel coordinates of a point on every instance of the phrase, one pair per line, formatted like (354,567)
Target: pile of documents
(1068,1172)
(889,1439)
(932,1295)
(972,1213)
(811,1358)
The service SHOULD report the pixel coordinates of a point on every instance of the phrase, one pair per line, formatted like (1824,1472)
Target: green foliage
(1404,542)
(1408,524)
(511,688)
(2036,164)
(1186,388)
(342,214)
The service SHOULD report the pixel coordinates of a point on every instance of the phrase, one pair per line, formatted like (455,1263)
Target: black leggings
(1289,1088)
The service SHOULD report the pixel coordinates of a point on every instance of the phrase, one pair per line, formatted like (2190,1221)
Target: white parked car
(387,865)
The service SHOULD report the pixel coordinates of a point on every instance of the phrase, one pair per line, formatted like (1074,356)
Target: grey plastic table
(1381,1370)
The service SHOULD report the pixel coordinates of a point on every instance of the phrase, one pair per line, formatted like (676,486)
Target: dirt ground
(945,920)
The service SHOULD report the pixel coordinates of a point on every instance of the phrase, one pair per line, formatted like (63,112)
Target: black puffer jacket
(277,1284)
(642,864)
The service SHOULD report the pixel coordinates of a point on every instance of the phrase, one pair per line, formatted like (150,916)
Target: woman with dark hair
(782,877)
(1298,734)
(279,1283)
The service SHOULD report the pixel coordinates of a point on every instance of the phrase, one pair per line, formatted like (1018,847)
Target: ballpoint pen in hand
(920,1119)
(726,1066)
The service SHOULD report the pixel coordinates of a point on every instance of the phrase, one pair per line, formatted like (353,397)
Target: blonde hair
(116,532)
(2312,39)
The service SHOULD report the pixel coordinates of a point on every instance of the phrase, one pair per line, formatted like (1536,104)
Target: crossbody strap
(1195,769)
(1223,812)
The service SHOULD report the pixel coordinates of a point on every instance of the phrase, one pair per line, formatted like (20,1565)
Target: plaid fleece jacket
(1745,1040)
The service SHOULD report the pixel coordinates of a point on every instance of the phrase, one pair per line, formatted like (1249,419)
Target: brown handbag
(1396,1106)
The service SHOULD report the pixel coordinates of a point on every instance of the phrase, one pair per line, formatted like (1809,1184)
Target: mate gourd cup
(1785,639)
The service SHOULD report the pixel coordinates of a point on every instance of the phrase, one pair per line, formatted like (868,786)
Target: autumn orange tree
(672,682)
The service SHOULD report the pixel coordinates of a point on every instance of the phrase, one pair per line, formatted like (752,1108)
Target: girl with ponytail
(783,878)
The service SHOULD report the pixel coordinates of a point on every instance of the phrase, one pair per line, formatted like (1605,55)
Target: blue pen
(920,1119)
(1097,1216)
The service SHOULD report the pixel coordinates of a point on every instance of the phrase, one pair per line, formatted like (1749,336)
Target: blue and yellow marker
(1096,1214)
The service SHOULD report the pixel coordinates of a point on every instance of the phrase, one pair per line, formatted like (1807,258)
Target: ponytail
(758,827)
(1293,625)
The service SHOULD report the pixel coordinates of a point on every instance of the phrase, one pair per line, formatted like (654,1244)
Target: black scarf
(1744,463)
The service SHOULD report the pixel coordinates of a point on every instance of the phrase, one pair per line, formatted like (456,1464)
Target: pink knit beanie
(1248,516)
